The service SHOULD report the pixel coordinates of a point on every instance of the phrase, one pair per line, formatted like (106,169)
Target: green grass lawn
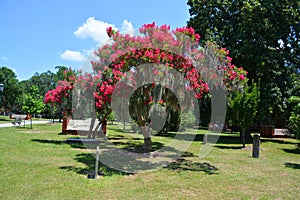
(38,164)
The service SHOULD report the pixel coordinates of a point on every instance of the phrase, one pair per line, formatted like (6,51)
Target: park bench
(18,118)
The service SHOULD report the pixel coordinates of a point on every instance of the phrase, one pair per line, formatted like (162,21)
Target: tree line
(19,96)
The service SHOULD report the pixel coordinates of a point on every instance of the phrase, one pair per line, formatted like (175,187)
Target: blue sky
(37,35)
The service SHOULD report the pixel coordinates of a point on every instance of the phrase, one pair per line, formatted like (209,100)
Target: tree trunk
(31,123)
(243,134)
(104,126)
(91,134)
(147,138)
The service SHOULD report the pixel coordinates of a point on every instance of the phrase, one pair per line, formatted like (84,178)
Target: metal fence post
(97,162)
(204,138)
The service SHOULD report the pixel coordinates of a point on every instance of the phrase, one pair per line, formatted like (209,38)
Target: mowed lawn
(38,164)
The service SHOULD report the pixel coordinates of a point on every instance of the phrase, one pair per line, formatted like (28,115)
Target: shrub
(294,120)
(294,124)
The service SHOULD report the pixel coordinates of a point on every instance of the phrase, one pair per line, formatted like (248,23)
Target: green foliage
(60,74)
(174,123)
(11,97)
(243,105)
(43,81)
(188,119)
(294,124)
(294,120)
(250,29)
(111,117)
(263,37)
(33,102)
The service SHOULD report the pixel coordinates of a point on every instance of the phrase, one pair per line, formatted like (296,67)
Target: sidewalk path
(27,123)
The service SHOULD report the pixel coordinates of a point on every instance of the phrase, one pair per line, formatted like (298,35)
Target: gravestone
(256,144)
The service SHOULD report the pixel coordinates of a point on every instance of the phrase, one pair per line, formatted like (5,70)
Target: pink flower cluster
(189,31)
(103,92)
(109,31)
(61,91)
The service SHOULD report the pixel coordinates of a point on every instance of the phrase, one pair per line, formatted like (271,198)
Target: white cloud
(127,28)
(4,58)
(95,29)
(72,56)
(88,52)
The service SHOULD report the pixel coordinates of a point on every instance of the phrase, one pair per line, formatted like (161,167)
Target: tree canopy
(15,91)
(33,102)
(10,98)
(262,36)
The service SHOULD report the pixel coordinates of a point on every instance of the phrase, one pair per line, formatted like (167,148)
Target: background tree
(46,81)
(294,120)
(60,73)
(33,102)
(43,81)
(243,108)
(12,94)
(263,37)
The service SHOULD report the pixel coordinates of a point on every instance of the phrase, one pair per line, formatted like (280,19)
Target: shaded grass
(5,119)
(39,164)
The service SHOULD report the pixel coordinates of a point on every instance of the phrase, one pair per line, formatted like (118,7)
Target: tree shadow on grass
(292,165)
(89,161)
(86,158)
(278,141)
(137,146)
(27,127)
(56,142)
(182,164)
(118,137)
(78,145)
(5,120)
(294,151)
(229,147)
(222,139)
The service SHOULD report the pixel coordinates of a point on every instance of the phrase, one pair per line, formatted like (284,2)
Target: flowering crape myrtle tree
(154,73)
(61,96)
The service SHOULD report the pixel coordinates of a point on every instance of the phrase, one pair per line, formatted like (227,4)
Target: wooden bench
(18,118)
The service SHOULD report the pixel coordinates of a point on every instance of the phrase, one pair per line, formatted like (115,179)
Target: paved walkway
(2,125)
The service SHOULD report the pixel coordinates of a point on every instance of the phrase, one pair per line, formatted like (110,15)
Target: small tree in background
(11,97)
(294,120)
(243,108)
(33,102)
